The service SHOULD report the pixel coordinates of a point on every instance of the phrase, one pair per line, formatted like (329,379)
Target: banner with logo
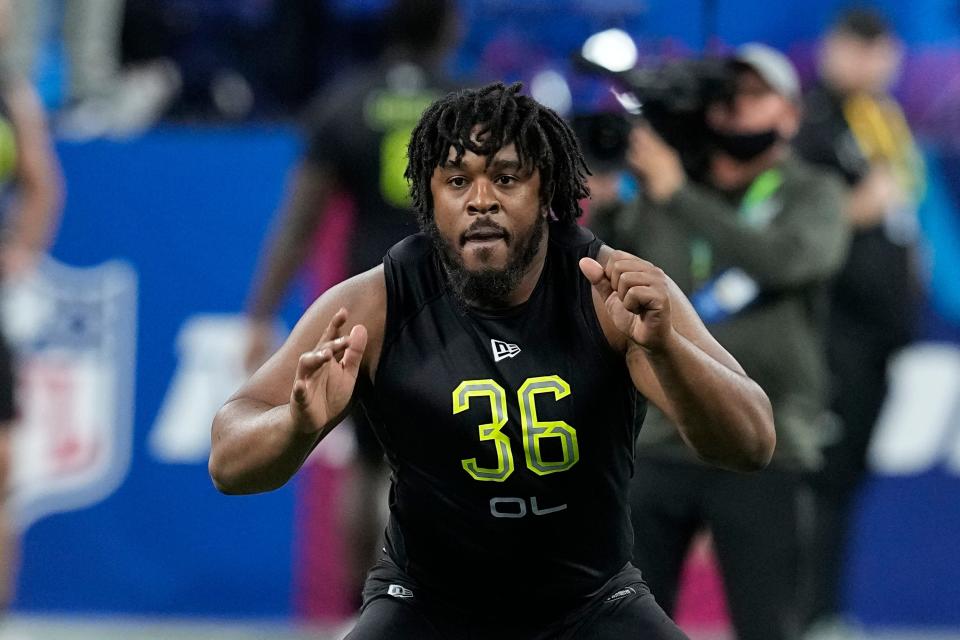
(74,332)
(129,341)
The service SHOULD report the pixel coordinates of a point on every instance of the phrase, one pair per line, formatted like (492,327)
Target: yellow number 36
(533,429)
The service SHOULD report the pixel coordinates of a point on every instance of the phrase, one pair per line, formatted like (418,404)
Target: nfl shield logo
(74,332)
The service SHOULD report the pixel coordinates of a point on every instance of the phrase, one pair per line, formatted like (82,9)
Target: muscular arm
(723,415)
(264,432)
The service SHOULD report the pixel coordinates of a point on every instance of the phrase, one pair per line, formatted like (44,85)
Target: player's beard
(487,287)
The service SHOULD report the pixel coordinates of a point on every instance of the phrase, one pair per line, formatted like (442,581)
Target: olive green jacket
(787,236)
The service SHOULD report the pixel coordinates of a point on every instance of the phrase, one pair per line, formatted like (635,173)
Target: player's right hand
(326,376)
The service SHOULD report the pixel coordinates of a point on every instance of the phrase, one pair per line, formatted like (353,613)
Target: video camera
(673,98)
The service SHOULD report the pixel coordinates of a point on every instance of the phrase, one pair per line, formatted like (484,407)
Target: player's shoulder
(571,236)
(413,274)
(364,297)
(363,294)
(574,242)
(411,250)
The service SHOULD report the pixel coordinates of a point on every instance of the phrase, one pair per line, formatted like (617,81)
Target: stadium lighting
(551,89)
(612,49)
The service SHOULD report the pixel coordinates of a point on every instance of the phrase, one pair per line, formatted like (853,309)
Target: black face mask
(745,146)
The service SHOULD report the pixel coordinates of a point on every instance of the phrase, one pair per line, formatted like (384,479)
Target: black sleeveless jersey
(510,436)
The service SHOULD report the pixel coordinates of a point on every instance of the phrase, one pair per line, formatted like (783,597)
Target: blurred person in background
(100,98)
(30,200)
(754,247)
(855,128)
(356,145)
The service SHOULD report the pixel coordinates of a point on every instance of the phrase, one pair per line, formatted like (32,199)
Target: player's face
(487,215)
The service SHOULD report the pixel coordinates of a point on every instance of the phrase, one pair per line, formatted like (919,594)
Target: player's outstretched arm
(265,431)
(674,361)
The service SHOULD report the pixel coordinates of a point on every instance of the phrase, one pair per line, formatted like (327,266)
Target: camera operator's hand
(655,163)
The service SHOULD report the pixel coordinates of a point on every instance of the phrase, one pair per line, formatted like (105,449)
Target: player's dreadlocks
(543,140)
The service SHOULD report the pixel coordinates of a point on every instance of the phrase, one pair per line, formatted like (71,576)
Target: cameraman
(753,247)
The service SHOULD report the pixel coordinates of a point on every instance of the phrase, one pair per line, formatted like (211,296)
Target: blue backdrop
(187,209)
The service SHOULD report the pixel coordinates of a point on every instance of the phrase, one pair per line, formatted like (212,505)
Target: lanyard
(752,212)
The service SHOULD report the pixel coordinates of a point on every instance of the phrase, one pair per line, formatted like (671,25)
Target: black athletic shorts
(393,608)
(7,407)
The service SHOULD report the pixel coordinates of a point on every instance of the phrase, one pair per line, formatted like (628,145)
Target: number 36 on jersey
(534,431)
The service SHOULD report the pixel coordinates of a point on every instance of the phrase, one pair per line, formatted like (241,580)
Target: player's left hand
(636,297)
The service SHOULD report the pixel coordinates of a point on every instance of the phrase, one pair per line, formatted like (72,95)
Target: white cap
(771,65)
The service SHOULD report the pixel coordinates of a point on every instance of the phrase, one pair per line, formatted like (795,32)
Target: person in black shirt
(358,129)
(358,133)
(855,128)
(499,353)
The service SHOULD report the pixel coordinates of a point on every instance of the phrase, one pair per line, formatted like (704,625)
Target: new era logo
(623,593)
(503,350)
(398,591)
